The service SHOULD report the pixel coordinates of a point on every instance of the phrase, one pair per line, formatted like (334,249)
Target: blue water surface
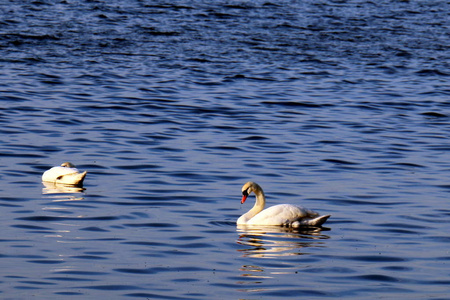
(171,106)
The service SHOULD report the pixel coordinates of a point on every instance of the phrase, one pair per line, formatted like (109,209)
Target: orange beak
(244,197)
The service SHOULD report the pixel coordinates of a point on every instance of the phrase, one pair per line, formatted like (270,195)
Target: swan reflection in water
(57,188)
(278,243)
(275,241)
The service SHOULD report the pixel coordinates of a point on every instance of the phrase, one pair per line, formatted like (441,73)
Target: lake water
(171,106)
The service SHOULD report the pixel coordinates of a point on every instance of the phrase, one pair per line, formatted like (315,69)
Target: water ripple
(172,105)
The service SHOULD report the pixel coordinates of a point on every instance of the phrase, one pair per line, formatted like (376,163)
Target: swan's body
(278,215)
(64,174)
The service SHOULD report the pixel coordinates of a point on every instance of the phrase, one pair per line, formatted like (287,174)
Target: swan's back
(55,172)
(65,175)
(282,214)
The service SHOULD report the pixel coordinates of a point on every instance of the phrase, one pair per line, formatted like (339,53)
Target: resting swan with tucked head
(64,174)
(279,215)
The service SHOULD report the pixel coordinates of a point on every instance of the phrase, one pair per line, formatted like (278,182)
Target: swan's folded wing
(282,214)
(56,173)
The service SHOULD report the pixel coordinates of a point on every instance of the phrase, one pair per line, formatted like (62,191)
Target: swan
(279,215)
(65,174)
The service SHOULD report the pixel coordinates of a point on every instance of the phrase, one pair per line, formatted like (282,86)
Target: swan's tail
(313,222)
(80,178)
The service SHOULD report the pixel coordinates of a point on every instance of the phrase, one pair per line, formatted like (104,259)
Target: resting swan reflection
(278,215)
(64,174)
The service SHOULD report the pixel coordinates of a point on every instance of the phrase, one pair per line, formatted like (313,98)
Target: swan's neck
(258,207)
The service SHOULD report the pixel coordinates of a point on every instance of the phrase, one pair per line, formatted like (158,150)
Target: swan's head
(248,188)
(68,165)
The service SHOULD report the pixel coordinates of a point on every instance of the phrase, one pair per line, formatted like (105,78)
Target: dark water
(171,106)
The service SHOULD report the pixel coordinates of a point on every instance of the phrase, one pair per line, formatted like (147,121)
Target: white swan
(279,215)
(65,174)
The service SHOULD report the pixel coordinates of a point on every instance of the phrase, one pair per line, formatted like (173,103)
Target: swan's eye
(245,193)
